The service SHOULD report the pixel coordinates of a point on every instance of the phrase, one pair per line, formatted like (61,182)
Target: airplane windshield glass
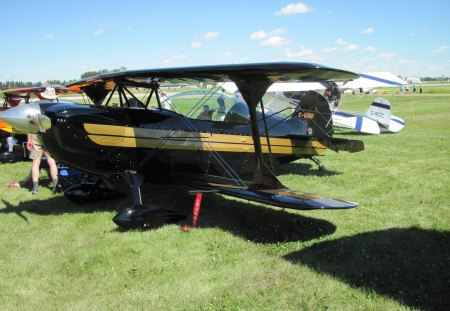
(208,105)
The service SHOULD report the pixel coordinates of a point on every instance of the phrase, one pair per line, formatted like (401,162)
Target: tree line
(20,84)
(4,85)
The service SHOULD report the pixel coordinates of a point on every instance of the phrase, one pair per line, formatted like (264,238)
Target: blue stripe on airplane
(380,105)
(398,121)
(378,79)
(359,121)
(342,114)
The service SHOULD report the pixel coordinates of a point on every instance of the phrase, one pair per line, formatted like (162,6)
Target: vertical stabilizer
(380,111)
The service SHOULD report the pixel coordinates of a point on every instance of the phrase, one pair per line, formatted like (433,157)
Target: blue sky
(44,40)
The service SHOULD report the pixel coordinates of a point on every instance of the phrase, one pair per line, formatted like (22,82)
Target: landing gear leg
(143,216)
(318,163)
(134,180)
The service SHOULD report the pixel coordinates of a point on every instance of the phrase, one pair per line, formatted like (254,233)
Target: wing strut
(266,130)
(252,90)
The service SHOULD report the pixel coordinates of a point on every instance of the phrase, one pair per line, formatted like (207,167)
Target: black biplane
(133,130)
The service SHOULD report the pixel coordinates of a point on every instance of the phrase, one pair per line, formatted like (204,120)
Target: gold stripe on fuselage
(122,136)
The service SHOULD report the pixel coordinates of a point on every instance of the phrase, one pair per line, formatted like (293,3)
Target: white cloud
(211,35)
(296,8)
(406,61)
(346,46)
(262,34)
(244,59)
(259,35)
(99,32)
(102,28)
(440,49)
(197,42)
(178,56)
(173,58)
(368,31)
(304,54)
(387,56)
(271,38)
(227,53)
(331,49)
(341,42)
(106,24)
(275,41)
(49,37)
(369,48)
(350,47)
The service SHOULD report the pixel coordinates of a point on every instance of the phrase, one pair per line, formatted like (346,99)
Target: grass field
(390,253)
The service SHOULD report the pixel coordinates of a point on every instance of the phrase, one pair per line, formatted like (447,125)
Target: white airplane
(377,119)
(373,80)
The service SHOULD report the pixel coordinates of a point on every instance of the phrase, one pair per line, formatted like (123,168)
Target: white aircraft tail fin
(380,111)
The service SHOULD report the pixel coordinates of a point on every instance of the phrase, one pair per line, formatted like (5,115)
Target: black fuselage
(162,144)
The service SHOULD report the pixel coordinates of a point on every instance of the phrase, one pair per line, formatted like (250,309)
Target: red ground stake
(195,212)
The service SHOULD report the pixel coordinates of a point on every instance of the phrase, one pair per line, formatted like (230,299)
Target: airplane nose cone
(26,118)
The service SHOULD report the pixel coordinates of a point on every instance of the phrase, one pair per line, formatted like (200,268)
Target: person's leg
(53,170)
(35,168)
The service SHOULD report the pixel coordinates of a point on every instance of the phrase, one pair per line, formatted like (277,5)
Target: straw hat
(49,93)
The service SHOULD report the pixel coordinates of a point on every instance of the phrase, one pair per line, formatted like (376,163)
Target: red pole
(196,209)
(195,212)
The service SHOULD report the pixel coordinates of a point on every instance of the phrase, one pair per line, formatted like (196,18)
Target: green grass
(392,252)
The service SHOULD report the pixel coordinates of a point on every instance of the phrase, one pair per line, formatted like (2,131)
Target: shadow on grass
(258,223)
(305,169)
(57,205)
(410,265)
(253,222)
(342,134)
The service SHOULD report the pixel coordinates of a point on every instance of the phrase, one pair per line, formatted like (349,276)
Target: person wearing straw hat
(36,152)
(48,93)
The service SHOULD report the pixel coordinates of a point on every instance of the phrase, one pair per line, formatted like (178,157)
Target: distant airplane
(376,120)
(373,80)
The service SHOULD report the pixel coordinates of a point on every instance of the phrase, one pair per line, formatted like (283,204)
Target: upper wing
(99,86)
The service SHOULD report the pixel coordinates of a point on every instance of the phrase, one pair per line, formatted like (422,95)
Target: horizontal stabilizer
(357,122)
(341,144)
(395,125)
(287,198)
